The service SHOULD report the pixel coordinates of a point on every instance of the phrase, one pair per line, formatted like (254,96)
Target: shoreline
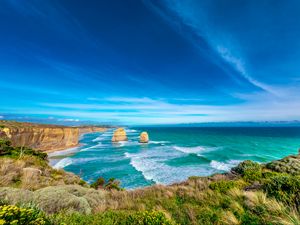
(77,145)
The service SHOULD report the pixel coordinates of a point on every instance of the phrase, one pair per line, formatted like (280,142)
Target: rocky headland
(44,137)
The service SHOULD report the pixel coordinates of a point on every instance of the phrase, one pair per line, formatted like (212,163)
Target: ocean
(174,154)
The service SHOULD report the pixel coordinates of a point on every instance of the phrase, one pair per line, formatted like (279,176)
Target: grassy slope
(250,194)
(25,168)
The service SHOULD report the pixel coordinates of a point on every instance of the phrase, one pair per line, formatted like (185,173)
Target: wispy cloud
(239,66)
(224,45)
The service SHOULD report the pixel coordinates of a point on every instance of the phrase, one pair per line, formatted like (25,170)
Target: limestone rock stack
(119,135)
(144,137)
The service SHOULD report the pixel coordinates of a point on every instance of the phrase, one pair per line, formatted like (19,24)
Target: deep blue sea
(174,154)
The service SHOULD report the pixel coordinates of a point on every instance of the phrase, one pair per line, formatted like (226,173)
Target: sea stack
(144,137)
(119,135)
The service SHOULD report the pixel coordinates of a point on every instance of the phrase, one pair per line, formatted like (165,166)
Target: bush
(114,217)
(99,183)
(112,184)
(223,186)
(148,218)
(6,149)
(250,171)
(285,188)
(10,214)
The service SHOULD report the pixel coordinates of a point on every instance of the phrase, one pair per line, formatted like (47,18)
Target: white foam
(74,161)
(98,139)
(131,130)
(63,163)
(159,142)
(196,149)
(152,164)
(91,147)
(224,166)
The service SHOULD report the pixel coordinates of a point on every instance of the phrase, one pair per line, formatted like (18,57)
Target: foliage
(112,184)
(114,217)
(10,214)
(6,149)
(99,183)
(249,170)
(148,218)
(285,188)
(223,186)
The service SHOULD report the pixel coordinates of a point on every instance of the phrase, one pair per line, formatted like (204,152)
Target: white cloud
(69,120)
(255,107)
(1,117)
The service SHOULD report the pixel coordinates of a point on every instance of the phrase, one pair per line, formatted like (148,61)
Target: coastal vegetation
(23,167)
(250,193)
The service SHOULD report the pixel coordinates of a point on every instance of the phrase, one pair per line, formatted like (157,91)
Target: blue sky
(150,62)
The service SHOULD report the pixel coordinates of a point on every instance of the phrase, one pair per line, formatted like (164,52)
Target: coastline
(81,134)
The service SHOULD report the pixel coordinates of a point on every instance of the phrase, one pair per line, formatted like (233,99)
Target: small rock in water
(119,135)
(144,137)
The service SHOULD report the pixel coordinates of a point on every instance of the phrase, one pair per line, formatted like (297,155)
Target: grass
(250,194)
(29,169)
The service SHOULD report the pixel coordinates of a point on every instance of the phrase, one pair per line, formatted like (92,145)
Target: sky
(150,61)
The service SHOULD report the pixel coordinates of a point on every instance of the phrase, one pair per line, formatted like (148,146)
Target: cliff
(91,129)
(43,137)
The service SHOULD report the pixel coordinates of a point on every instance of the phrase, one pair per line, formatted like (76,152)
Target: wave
(131,130)
(224,166)
(159,142)
(189,149)
(98,139)
(196,150)
(74,161)
(153,166)
(63,163)
(91,147)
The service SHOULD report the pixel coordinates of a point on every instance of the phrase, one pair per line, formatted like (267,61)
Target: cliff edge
(44,137)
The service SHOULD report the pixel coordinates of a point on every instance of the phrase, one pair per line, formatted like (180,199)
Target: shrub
(114,217)
(148,218)
(10,214)
(285,188)
(250,171)
(62,198)
(222,186)
(112,184)
(99,183)
(6,149)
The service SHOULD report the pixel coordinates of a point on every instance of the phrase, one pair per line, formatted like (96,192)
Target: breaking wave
(224,166)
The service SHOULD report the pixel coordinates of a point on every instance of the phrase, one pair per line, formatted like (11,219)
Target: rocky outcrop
(144,137)
(119,135)
(43,137)
(289,164)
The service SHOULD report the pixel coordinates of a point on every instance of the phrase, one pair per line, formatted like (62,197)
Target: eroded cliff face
(44,137)
(91,129)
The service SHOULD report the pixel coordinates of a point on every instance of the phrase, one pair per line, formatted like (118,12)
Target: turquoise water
(174,154)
